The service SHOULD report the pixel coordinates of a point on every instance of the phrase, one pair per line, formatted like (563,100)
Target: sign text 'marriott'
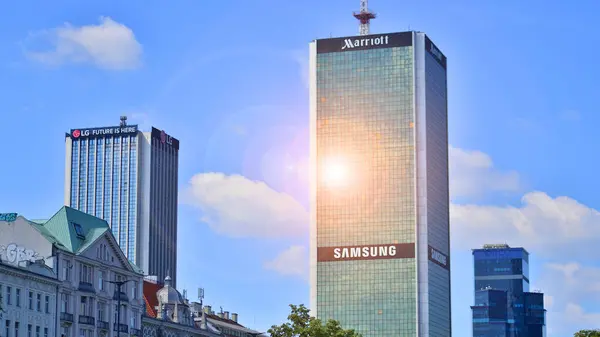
(351,43)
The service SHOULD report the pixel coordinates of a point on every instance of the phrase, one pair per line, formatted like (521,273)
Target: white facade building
(28,299)
(85,257)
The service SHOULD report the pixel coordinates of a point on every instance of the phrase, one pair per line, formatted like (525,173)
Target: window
(47,306)
(133,320)
(31,300)
(85,274)
(101,281)
(18,297)
(39,302)
(101,311)
(8,293)
(64,302)
(134,291)
(7,327)
(29,330)
(16,329)
(66,270)
(78,230)
(87,306)
(45,332)
(37,331)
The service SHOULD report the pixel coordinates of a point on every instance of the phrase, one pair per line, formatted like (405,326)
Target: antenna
(364,16)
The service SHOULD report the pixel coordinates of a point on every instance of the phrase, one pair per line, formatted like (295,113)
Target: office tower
(504,307)
(128,178)
(379,203)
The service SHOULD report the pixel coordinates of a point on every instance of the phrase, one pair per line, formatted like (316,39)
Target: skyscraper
(128,178)
(379,216)
(504,307)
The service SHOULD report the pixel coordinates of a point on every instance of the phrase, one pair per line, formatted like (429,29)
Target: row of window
(35,301)
(86,275)
(14,330)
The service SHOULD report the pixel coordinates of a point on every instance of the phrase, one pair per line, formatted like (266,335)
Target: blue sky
(228,78)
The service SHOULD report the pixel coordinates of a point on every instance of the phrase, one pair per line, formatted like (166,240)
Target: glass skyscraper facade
(504,307)
(379,185)
(128,178)
(104,181)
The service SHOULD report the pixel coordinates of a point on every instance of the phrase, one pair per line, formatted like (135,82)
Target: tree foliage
(587,333)
(301,324)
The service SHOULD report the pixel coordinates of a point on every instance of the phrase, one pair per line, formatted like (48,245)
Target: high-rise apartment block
(380,244)
(128,178)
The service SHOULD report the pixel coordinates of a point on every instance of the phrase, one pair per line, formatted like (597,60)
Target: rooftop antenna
(364,16)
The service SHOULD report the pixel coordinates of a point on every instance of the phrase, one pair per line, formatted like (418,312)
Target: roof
(61,231)
(62,228)
(227,323)
(150,299)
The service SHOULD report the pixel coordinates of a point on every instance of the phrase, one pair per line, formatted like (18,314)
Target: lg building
(128,178)
(379,189)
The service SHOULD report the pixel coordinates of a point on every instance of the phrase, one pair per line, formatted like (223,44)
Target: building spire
(364,16)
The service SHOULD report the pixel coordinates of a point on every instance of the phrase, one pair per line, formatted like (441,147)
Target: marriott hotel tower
(128,178)
(380,245)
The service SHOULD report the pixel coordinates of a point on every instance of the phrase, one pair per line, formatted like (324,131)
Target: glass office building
(128,178)
(379,185)
(504,307)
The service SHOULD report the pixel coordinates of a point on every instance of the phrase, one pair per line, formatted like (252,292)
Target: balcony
(102,325)
(121,328)
(88,320)
(66,317)
(86,287)
(135,332)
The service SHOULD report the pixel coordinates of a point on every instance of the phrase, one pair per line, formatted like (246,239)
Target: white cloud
(472,174)
(568,287)
(301,58)
(108,45)
(239,207)
(292,262)
(551,227)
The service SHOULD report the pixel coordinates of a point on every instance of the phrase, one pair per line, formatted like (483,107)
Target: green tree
(301,324)
(587,333)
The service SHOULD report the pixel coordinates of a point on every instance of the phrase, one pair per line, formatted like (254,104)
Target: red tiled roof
(150,299)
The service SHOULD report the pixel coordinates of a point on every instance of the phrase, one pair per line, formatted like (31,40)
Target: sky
(229,80)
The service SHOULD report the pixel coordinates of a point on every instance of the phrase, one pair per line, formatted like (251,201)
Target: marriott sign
(373,41)
(352,43)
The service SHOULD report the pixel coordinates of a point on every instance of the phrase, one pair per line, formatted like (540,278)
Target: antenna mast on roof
(364,16)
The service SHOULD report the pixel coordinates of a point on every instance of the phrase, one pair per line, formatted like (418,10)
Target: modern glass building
(504,307)
(379,215)
(128,178)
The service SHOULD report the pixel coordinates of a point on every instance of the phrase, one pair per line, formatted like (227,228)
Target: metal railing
(89,320)
(65,316)
(102,325)
(121,328)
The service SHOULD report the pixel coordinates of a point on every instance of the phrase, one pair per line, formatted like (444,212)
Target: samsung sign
(101,132)
(364,42)
(439,258)
(370,252)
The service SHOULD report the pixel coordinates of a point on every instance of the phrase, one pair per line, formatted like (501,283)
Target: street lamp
(119,284)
